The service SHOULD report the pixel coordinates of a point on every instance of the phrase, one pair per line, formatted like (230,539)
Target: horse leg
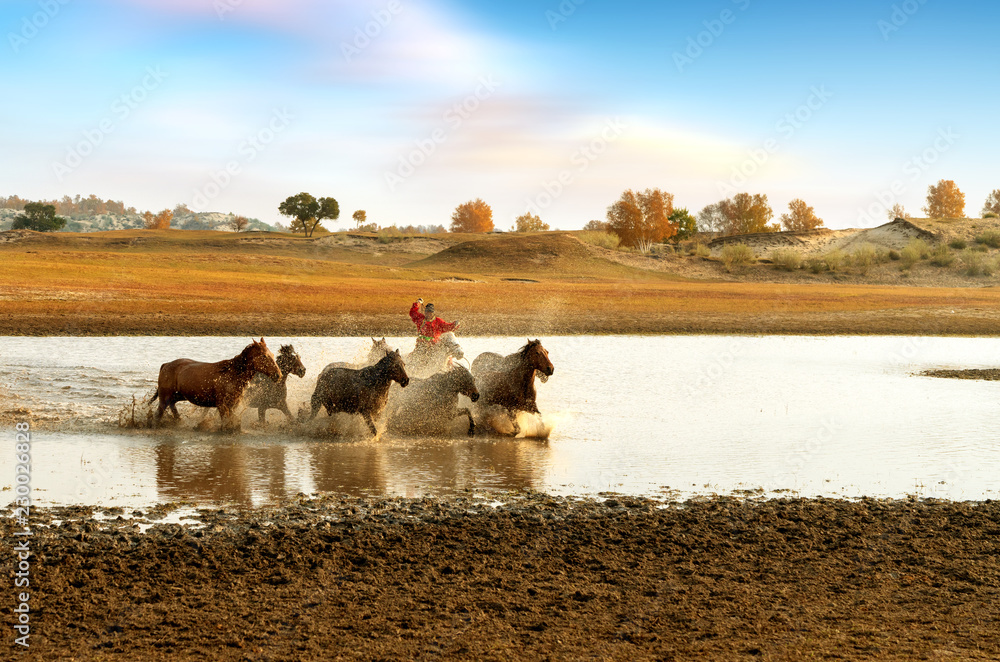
(160,408)
(316,403)
(283,408)
(229,421)
(370,422)
(513,421)
(262,414)
(472,423)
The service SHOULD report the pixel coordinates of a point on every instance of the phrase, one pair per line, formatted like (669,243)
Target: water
(656,416)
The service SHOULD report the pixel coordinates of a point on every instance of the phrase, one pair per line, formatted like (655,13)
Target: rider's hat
(428,310)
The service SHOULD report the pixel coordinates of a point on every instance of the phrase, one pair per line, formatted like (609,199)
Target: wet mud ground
(521,576)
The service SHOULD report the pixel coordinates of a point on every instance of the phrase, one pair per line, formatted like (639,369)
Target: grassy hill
(213,283)
(526,256)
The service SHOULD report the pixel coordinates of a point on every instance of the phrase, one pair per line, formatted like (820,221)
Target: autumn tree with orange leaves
(159,221)
(945,200)
(473,216)
(642,219)
(162,220)
(800,217)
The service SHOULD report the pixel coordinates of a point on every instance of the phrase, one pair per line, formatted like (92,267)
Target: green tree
(686,224)
(307,212)
(528,222)
(39,217)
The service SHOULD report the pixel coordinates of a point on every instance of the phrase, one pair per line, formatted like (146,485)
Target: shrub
(980,248)
(817,265)
(389,235)
(922,247)
(909,256)
(989,238)
(835,259)
(786,259)
(991,214)
(894,255)
(700,250)
(942,257)
(864,258)
(958,244)
(737,255)
(600,238)
(977,264)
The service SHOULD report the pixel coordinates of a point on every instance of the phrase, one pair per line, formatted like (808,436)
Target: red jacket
(431,329)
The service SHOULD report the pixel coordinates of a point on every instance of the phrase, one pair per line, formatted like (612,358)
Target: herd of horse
(426,402)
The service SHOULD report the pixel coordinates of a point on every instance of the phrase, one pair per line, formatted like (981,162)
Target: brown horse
(264,393)
(219,385)
(362,391)
(509,381)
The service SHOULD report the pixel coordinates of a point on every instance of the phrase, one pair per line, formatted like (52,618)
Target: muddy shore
(922,321)
(518,576)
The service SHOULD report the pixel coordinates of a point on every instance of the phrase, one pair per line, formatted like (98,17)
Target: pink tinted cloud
(299,15)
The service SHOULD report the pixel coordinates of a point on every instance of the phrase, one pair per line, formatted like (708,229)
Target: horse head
(262,360)
(464,382)
(289,362)
(537,357)
(396,368)
(379,350)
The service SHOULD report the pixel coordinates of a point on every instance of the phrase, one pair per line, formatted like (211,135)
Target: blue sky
(554,107)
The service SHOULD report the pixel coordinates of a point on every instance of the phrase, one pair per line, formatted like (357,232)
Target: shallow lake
(659,416)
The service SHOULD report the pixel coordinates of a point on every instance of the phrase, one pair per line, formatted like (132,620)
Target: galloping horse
(219,385)
(429,405)
(509,381)
(264,394)
(362,391)
(428,359)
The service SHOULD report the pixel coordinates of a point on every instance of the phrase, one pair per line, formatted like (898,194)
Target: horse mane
(287,350)
(377,369)
(238,363)
(531,344)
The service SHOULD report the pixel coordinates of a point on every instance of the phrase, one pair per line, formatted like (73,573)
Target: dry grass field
(208,283)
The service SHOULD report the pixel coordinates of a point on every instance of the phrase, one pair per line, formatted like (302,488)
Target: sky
(408,108)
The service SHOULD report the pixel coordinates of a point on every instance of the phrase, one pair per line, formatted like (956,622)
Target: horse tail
(156,394)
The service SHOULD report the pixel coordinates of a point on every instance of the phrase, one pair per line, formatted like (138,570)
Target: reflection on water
(643,415)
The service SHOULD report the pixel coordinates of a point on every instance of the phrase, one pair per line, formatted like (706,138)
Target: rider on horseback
(429,326)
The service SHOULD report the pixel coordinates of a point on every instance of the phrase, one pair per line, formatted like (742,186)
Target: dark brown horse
(431,404)
(363,391)
(508,382)
(264,393)
(219,385)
